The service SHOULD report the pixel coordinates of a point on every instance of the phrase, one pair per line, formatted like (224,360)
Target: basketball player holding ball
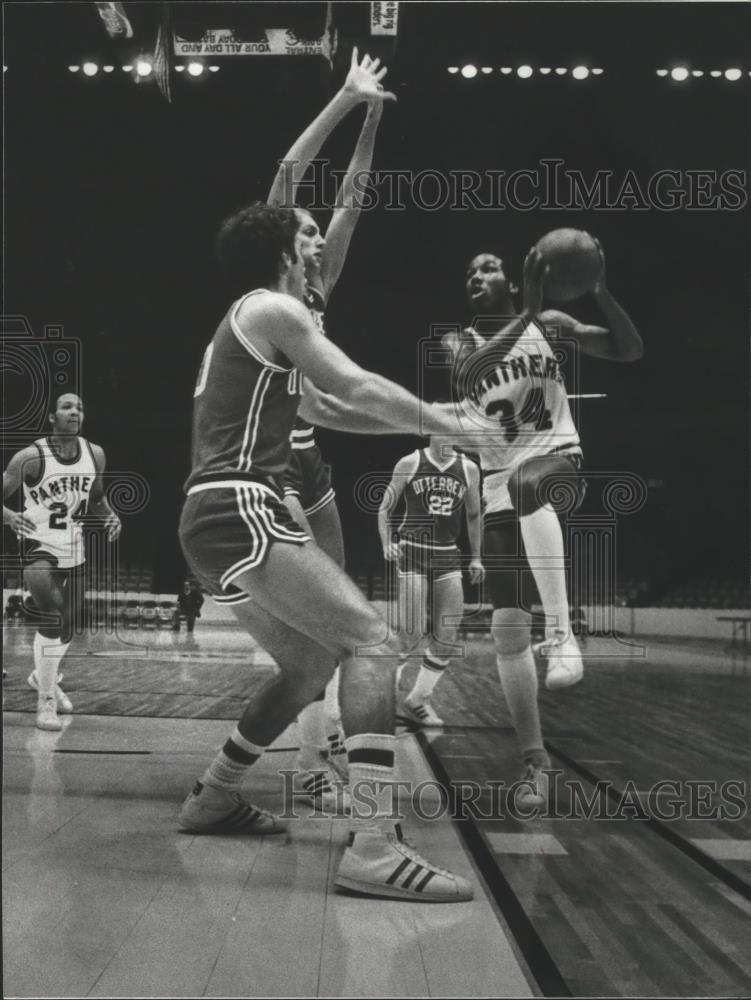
(509,383)
(61,479)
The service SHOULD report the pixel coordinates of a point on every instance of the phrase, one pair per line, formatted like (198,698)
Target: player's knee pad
(510,628)
(551,479)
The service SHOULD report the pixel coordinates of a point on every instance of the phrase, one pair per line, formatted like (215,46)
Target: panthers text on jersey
(513,402)
(57,501)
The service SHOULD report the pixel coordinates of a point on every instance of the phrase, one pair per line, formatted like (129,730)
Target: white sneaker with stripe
(379,863)
(421,712)
(216,810)
(330,798)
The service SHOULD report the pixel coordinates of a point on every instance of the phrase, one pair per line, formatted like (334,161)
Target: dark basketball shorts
(509,580)
(432,563)
(228,527)
(308,478)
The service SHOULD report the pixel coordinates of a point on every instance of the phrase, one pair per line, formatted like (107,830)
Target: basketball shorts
(228,528)
(509,581)
(308,478)
(432,563)
(63,556)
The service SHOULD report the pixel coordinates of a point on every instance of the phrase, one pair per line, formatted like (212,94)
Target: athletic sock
(311,729)
(519,682)
(371,777)
(47,656)
(229,767)
(543,543)
(430,672)
(331,704)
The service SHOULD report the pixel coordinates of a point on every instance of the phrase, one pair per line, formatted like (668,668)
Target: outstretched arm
(284,323)
(349,200)
(362,84)
(326,410)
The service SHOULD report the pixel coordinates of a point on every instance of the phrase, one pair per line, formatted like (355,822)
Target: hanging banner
(276,42)
(384,17)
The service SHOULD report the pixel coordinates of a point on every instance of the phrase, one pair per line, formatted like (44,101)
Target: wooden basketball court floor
(103,896)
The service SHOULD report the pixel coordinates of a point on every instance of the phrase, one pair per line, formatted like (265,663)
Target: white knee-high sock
(331,703)
(371,776)
(543,542)
(519,682)
(47,656)
(431,670)
(311,728)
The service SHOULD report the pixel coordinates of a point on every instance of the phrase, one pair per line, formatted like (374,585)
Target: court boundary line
(540,963)
(695,854)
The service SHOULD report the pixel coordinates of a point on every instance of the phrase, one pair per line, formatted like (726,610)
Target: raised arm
(349,200)
(403,469)
(98,502)
(25,464)
(618,341)
(362,84)
(286,325)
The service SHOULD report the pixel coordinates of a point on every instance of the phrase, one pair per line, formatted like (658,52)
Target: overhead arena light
(179,69)
(90,69)
(144,67)
(662,72)
(561,70)
(524,72)
(580,72)
(214,69)
(469,71)
(195,69)
(453,69)
(73,69)
(545,70)
(697,72)
(108,69)
(679,73)
(597,71)
(715,73)
(733,74)
(486,70)
(506,70)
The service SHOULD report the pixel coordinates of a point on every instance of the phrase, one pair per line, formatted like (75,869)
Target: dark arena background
(122,154)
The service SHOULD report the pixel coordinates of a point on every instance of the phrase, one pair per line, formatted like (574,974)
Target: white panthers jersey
(517,405)
(57,501)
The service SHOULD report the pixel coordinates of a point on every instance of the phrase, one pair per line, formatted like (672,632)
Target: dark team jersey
(434,500)
(243,411)
(303,432)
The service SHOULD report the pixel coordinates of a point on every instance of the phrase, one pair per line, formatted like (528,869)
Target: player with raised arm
(512,392)
(308,491)
(60,478)
(243,545)
(437,486)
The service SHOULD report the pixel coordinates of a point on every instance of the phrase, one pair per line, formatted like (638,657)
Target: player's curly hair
(250,244)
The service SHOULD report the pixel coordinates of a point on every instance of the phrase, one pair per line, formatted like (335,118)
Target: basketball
(574,261)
